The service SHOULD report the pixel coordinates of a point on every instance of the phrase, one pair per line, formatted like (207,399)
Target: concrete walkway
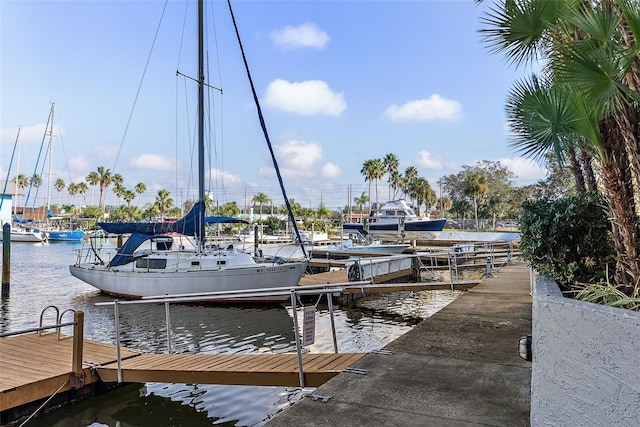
(459,367)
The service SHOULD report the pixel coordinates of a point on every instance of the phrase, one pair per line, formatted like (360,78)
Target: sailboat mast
(53,106)
(200,223)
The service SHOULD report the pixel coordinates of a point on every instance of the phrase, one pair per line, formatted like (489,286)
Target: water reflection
(40,277)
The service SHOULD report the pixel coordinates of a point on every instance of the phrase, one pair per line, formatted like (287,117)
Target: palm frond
(519,29)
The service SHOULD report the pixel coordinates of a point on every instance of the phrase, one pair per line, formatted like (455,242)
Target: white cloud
(79,163)
(226,177)
(296,159)
(104,154)
(302,36)
(424,110)
(330,170)
(426,160)
(308,98)
(525,169)
(153,162)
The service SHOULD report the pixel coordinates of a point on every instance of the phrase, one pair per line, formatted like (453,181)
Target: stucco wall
(586,362)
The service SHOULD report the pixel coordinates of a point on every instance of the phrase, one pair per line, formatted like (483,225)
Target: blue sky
(340,82)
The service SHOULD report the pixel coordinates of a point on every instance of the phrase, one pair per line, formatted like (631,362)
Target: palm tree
(82,188)
(261,199)
(590,68)
(93,179)
(163,202)
(377,172)
(129,196)
(118,189)
(391,164)
(397,183)
(73,190)
(104,181)
(151,211)
(59,186)
(140,188)
(361,201)
(410,175)
(476,186)
(368,171)
(21,181)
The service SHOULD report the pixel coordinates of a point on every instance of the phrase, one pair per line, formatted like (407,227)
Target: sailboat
(54,232)
(22,231)
(164,268)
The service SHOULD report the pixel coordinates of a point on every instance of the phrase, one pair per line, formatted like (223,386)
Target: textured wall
(586,362)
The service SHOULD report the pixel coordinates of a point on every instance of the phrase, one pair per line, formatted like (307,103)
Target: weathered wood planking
(34,367)
(230,369)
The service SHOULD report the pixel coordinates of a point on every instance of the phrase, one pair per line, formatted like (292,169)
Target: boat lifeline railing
(294,292)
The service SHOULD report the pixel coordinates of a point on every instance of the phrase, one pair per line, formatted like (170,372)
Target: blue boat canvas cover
(143,231)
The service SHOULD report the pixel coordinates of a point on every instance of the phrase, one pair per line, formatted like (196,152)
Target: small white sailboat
(23,231)
(150,264)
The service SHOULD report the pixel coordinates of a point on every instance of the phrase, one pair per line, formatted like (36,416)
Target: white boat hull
(132,282)
(26,236)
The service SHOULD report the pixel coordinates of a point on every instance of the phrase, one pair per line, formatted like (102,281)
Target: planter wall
(586,361)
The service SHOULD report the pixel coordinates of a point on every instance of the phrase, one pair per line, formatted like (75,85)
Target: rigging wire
(266,134)
(144,73)
(6,181)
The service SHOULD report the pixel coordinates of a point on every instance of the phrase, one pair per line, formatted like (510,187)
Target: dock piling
(76,379)
(6,259)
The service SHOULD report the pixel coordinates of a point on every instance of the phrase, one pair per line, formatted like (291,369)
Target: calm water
(40,277)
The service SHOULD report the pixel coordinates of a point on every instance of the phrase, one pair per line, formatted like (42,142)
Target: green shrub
(568,239)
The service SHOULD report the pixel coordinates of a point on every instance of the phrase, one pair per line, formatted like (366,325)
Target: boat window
(223,262)
(195,263)
(151,263)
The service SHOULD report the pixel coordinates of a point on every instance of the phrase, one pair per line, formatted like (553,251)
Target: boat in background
(26,234)
(64,235)
(63,228)
(374,247)
(396,220)
(22,230)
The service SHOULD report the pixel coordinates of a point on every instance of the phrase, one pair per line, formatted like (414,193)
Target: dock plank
(231,369)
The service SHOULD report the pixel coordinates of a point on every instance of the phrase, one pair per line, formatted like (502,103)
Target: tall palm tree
(82,188)
(377,172)
(591,76)
(410,175)
(118,189)
(391,164)
(21,181)
(140,188)
(73,190)
(59,186)
(476,186)
(261,199)
(368,172)
(104,181)
(93,179)
(163,202)
(397,183)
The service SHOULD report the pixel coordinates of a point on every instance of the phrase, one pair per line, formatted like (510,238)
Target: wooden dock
(35,367)
(231,369)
